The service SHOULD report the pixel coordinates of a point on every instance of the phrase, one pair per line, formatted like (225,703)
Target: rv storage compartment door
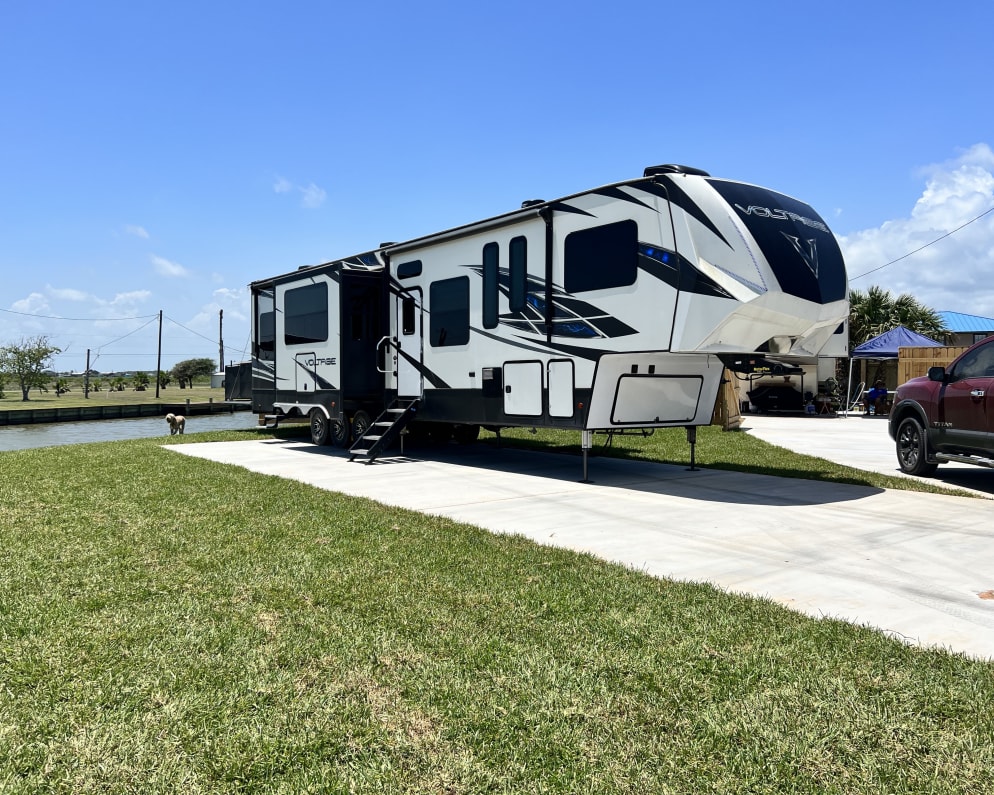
(656,398)
(304,369)
(523,388)
(561,388)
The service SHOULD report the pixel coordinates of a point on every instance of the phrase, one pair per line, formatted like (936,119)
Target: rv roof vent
(388,244)
(531,203)
(672,168)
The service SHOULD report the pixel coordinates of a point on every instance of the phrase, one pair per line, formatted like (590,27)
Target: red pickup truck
(947,415)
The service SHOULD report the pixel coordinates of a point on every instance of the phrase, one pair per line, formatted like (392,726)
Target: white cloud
(166,268)
(136,231)
(131,298)
(957,271)
(34,304)
(311,196)
(67,294)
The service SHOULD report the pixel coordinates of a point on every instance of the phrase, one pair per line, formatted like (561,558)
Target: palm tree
(875,311)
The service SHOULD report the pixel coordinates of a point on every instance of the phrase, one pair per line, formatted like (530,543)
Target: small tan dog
(177,424)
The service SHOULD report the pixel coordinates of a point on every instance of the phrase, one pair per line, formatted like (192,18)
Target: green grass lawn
(198,393)
(169,624)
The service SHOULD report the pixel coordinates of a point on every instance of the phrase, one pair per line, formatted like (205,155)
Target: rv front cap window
(601,257)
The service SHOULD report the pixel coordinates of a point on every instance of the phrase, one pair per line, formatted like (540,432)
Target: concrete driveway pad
(912,565)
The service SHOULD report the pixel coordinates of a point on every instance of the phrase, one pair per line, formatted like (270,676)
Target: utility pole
(158,363)
(86,376)
(220,336)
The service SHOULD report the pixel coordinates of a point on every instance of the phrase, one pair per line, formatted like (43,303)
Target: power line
(77,319)
(921,248)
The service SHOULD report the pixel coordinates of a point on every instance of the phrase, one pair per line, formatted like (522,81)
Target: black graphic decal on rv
(677,272)
(318,380)
(617,193)
(571,317)
(428,375)
(674,194)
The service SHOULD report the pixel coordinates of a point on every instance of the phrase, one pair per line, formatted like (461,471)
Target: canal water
(51,434)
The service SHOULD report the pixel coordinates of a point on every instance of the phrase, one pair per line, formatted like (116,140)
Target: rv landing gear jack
(586,442)
(692,441)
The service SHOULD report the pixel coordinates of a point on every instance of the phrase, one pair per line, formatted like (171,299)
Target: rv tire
(360,424)
(320,427)
(339,433)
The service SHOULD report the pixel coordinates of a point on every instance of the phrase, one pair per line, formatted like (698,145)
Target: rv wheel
(320,427)
(360,424)
(339,433)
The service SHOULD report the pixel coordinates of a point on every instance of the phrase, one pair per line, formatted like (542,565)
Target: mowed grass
(198,393)
(169,624)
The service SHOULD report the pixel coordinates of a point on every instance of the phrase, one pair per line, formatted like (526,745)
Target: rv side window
(519,274)
(602,257)
(407,270)
(491,278)
(265,329)
(449,312)
(305,314)
(407,307)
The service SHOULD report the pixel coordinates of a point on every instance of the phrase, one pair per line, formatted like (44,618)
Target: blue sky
(162,156)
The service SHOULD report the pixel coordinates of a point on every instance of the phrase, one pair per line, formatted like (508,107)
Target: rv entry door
(410,351)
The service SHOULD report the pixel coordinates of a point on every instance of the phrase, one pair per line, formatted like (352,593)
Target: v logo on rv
(808,253)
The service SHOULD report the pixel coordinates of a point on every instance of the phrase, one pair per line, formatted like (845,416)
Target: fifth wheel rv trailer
(615,308)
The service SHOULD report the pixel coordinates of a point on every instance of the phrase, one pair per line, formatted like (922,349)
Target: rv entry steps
(384,430)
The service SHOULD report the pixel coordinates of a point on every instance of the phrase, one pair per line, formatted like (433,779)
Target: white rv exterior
(614,308)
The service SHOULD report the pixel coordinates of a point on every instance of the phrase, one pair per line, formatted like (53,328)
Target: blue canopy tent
(886,346)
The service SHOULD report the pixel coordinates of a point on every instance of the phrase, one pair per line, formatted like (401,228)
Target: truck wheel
(912,448)
(339,433)
(360,424)
(320,427)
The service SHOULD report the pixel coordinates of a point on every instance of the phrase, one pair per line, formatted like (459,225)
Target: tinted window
(408,317)
(978,363)
(602,257)
(449,311)
(305,313)
(408,269)
(491,271)
(265,343)
(519,273)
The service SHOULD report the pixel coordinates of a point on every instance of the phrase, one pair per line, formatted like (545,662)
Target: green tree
(165,376)
(141,381)
(876,311)
(184,372)
(26,362)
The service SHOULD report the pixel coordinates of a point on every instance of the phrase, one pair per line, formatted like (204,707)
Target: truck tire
(912,448)
(320,427)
